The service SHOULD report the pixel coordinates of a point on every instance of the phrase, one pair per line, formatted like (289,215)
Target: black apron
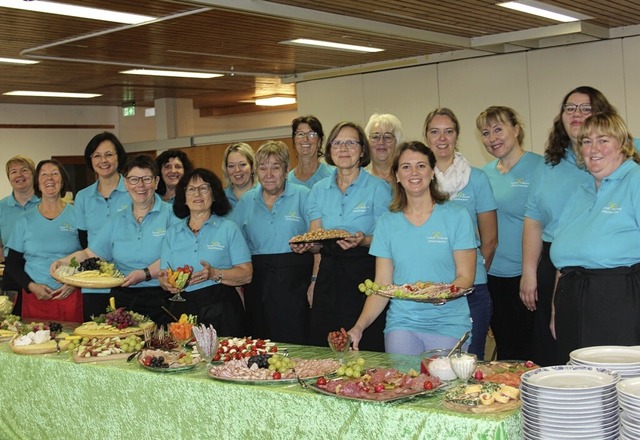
(544,345)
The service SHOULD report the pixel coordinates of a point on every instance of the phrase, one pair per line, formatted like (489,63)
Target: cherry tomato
(321,381)
(428,385)
(454,289)
(379,388)
(227,357)
(216,357)
(224,342)
(529,364)
(273,349)
(277,375)
(478,375)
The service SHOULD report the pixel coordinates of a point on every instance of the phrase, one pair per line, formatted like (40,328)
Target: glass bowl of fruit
(339,342)
(8,300)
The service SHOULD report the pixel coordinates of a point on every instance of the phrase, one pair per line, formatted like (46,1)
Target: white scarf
(456,176)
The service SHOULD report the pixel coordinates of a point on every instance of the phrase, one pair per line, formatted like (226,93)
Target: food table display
(47,396)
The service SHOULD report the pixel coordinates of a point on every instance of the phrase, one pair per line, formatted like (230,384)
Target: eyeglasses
(202,189)
(349,144)
(134,180)
(585,109)
(387,138)
(308,135)
(108,155)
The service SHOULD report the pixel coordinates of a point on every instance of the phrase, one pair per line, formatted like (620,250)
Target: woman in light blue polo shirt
(468,186)
(307,135)
(423,238)
(510,176)
(214,246)
(238,169)
(596,243)
(351,199)
(269,215)
(133,240)
(100,202)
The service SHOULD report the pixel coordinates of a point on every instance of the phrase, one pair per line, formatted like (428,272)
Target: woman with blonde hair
(238,169)
(384,132)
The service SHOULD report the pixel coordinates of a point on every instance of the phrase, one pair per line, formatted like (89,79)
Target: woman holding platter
(214,247)
(39,237)
(424,237)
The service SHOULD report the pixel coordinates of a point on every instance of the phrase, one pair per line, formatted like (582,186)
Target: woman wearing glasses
(40,236)
(385,133)
(214,247)
(307,135)
(238,168)
(552,187)
(97,204)
(132,239)
(470,187)
(172,165)
(349,199)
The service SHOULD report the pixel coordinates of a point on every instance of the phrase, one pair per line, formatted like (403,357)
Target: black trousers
(511,322)
(597,307)
(544,345)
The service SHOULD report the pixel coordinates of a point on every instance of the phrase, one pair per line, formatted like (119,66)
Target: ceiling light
(543,10)
(273,101)
(52,94)
(17,61)
(75,11)
(331,45)
(176,73)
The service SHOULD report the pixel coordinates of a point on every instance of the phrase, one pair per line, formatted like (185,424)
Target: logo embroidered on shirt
(67,228)
(293,217)
(160,232)
(360,207)
(460,197)
(437,237)
(215,245)
(611,208)
(122,207)
(520,183)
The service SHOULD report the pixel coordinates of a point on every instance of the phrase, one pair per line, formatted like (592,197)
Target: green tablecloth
(51,397)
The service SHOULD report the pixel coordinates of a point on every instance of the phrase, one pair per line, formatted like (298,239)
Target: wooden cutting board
(45,347)
(111,357)
(483,409)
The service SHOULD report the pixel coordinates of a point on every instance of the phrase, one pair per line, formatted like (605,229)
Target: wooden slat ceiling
(241,39)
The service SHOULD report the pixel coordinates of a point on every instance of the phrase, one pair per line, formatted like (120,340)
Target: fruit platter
(163,361)
(9,327)
(90,273)
(39,338)
(321,236)
(111,348)
(115,322)
(378,385)
(272,368)
(482,398)
(422,291)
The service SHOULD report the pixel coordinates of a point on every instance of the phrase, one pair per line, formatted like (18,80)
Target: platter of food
(162,361)
(115,322)
(6,335)
(379,385)
(422,291)
(10,326)
(504,372)
(105,348)
(239,348)
(272,369)
(321,236)
(39,342)
(482,398)
(91,273)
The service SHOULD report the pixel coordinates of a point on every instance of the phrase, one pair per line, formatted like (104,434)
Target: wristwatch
(147,274)
(218,279)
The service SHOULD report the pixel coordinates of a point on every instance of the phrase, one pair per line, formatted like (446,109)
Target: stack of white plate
(623,360)
(570,402)
(629,400)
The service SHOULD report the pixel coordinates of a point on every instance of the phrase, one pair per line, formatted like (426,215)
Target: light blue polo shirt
(323,171)
(601,229)
(10,210)
(132,245)
(219,242)
(477,198)
(93,211)
(511,191)
(425,253)
(552,187)
(42,241)
(357,209)
(269,231)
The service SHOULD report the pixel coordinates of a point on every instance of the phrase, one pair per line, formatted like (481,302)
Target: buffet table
(50,396)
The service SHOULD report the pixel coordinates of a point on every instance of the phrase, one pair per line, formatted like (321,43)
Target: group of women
(513,231)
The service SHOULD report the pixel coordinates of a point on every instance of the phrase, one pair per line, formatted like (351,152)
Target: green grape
(341,370)
(362,287)
(360,361)
(348,372)
(368,283)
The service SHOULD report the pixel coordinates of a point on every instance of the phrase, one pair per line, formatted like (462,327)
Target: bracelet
(147,274)
(314,278)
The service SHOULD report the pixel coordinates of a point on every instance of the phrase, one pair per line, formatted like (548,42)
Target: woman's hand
(62,292)
(41,291)
(55,265)
(134,277)
(163,279)
(201,275)
(301,248)
(356,336)
(353,241)
(529,291)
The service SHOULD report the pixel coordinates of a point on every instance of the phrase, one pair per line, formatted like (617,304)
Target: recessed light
(543,10)
(273,101)
(174,73)
(331,45)
(17,61)
(76,11)
(52,94)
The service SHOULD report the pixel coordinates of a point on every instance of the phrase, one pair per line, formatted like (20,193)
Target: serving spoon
(458,345)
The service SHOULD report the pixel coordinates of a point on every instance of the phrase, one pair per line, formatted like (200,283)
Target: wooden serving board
(495,407)
(91,330)
(98,282)
(7,335)
(45,347)
(111,357)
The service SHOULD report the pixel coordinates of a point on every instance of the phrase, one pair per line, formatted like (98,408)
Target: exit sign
(128,111)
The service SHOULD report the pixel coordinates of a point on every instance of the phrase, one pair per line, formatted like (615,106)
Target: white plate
(571,396)
(559,427)
(570,377)
(552,434)
(607,354)
(630,387)
(633,407)
(577,418)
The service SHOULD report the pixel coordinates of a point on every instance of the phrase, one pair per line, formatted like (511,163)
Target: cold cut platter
(422,291)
